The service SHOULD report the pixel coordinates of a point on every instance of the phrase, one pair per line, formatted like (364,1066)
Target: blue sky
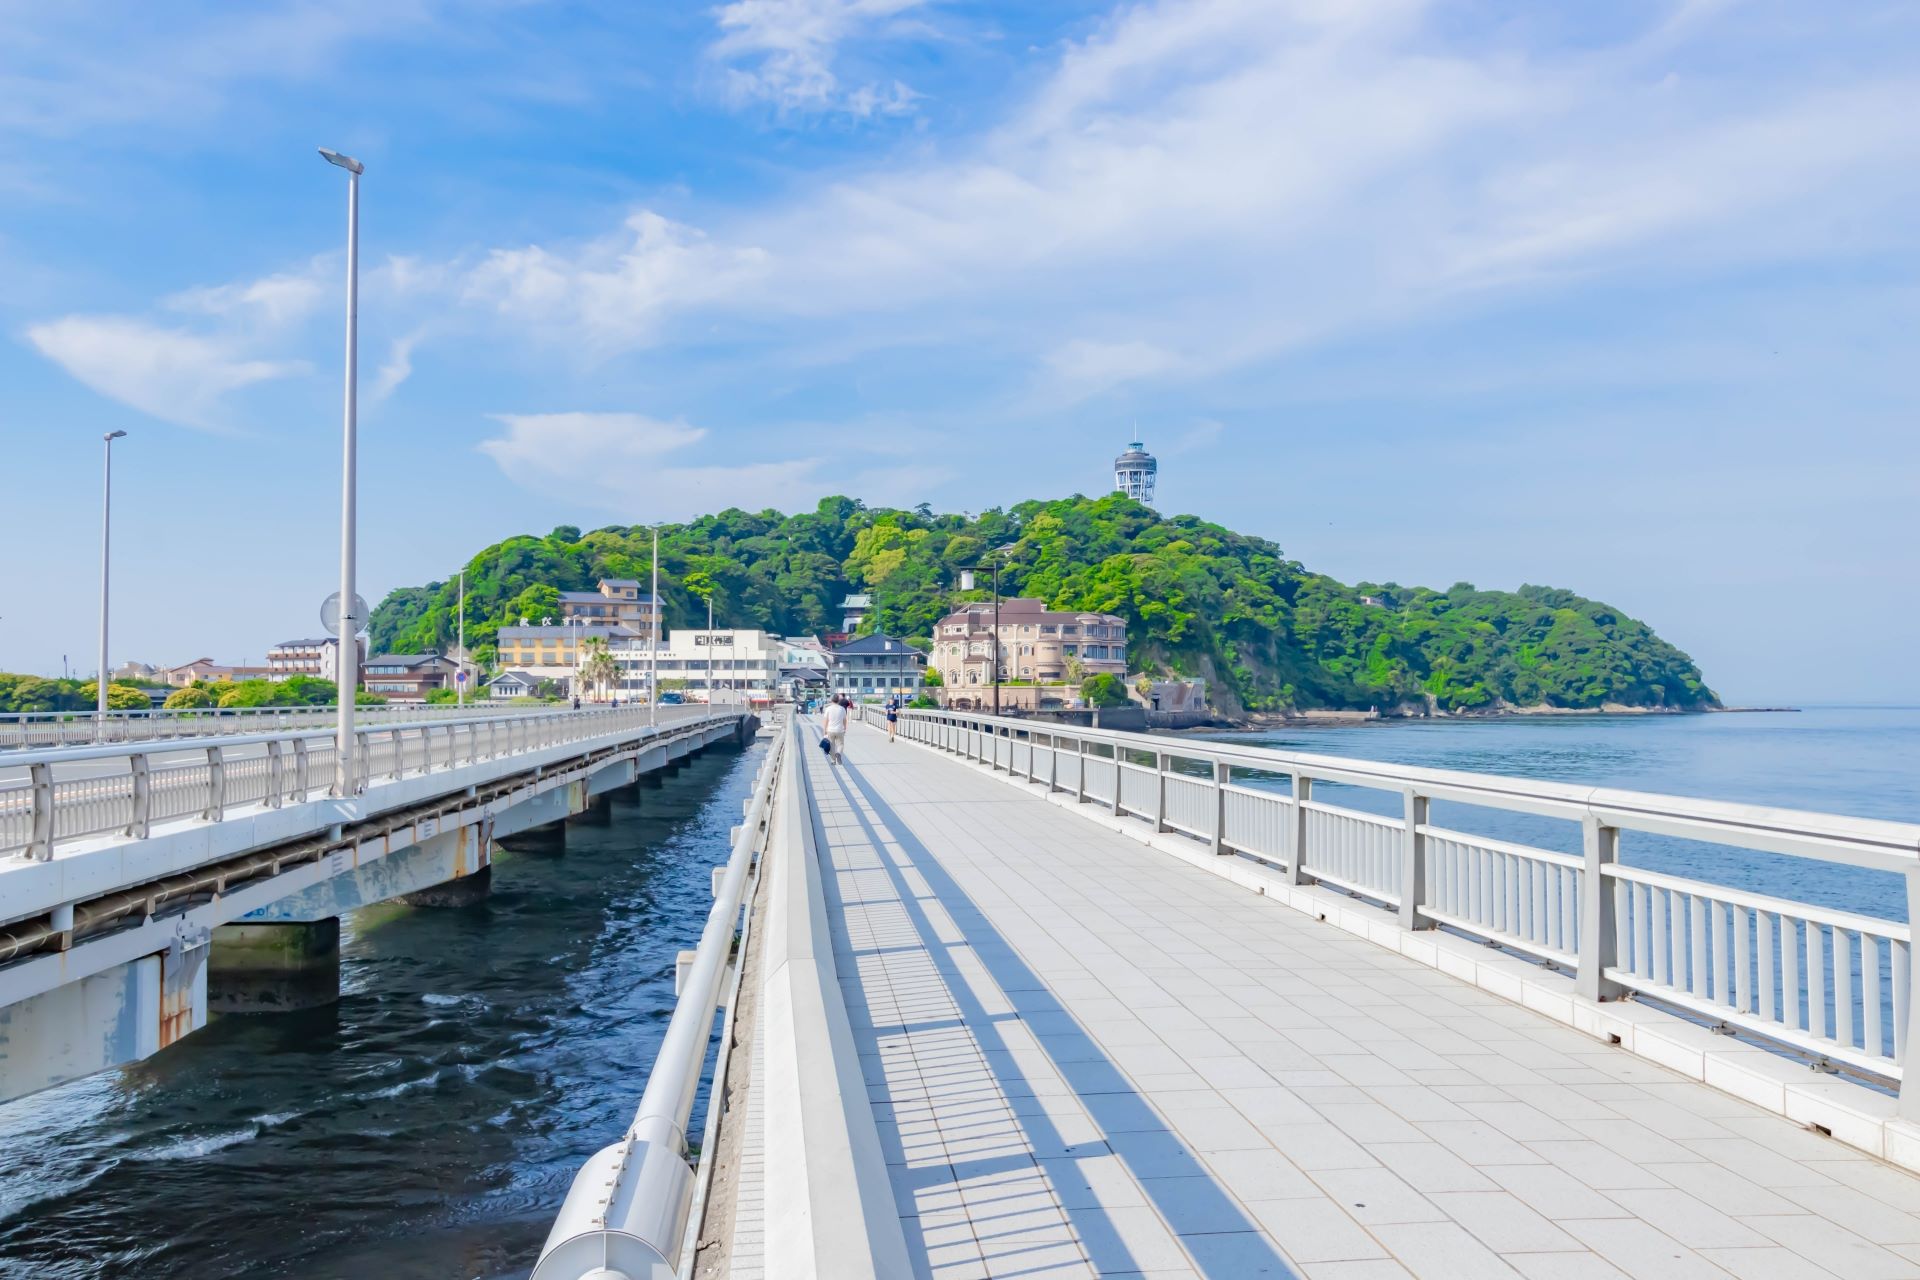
(1619,298)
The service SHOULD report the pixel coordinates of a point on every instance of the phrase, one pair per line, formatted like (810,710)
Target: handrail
(1836,984)
(44,808)
(627,1211)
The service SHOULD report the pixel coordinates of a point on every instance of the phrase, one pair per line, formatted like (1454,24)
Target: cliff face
(1199,599)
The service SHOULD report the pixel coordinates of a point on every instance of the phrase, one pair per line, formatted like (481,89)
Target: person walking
(893,717)
(836,727)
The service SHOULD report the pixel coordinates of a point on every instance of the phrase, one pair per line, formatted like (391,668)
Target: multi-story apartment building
(1034,643)
(618,603)
(406,677)
(319,658)
(552,652)
(878,666)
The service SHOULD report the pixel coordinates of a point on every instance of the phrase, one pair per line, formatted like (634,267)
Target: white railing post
(1297,847)
(1909,1078)
(1080,774)
(1413,869)
(1053,762)
(1221,773)
(216,785)
(41,841)
(300,767)
(1160,792)
(140,822)
(276,774)
(1599,943)
(1117,778)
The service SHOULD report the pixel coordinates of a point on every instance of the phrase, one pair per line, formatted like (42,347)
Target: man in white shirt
(835,722)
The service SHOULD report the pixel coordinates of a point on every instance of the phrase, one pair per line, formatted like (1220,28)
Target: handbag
(826,745)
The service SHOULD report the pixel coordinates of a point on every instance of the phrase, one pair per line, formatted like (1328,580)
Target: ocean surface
(426,1126)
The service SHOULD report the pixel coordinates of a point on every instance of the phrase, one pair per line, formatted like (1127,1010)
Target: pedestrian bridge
(144,882)
(1014,999)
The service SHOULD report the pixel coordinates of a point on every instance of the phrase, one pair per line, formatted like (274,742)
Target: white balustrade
(140,785)
(1835,985)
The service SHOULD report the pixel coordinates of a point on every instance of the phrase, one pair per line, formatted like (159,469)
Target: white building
(704,666)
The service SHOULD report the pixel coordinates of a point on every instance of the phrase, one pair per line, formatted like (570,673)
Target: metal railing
(1833,984)
(73,793)
(22,730)
(629,1209)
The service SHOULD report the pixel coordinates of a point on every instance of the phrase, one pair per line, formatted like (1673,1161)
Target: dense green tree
(1199,600)
(1104,691)
(188,699)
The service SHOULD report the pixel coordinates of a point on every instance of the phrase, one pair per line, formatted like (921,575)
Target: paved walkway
(1089,1059)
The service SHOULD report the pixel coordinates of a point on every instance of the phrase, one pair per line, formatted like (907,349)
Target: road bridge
(144,883)
(1020,999)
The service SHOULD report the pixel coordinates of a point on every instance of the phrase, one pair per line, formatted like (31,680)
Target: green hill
(1199,600)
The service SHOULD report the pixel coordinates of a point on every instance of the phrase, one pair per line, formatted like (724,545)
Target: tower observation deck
(1135,472)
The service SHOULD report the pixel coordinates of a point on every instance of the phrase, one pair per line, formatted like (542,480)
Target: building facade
(704,666)
(1035,643)
(319,658)
(406,677)
(1135,473)
(619,602)
(553,652)
(878,666)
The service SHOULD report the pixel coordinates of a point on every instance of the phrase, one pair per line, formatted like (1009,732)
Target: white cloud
(275,301)
(1226,179)
(626,463)
(397,369)
(1083,368)
(789,48)
(176,376)
(614,292)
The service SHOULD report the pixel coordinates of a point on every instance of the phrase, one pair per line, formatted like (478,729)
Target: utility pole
(347,784)
(106,539)
(459,676)
(709,648)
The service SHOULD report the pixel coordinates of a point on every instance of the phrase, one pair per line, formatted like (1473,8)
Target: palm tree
(597,666)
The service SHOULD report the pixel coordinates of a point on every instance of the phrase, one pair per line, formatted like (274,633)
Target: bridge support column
(597,813)
(462,891)
(273,968)
(550,839)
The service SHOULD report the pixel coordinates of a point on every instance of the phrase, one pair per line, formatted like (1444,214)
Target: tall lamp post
(106,539)
(460,675)
(653,644)
(347,784)
(966,584)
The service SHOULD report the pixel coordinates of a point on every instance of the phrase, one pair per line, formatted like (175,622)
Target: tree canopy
(1199,600)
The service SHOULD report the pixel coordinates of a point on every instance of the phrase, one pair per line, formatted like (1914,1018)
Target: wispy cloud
(785,52)
(633,465)
(397,368)
(174,375)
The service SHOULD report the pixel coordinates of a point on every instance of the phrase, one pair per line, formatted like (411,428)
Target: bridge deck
(1087,1058)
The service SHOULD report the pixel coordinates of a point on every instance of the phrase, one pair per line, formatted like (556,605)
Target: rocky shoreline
(1327,717)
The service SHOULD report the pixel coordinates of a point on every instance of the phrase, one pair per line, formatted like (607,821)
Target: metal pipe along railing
(626,1216)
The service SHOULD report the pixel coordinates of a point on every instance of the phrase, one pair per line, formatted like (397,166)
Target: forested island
(1200,600)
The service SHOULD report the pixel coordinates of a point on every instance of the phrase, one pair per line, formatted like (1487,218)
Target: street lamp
(106,537)
(966,584)
(345,783)
(653,643)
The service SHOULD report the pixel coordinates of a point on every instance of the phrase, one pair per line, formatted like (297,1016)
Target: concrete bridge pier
(274,968)
(598,812)
(461,891)
(549,840)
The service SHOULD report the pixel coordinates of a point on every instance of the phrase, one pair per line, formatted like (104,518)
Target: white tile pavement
(1089,1058)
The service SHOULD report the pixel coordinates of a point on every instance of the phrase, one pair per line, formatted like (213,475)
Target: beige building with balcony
(619,602)
(1034,643)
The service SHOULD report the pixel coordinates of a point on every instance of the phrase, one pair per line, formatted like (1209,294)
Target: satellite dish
(330,614)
